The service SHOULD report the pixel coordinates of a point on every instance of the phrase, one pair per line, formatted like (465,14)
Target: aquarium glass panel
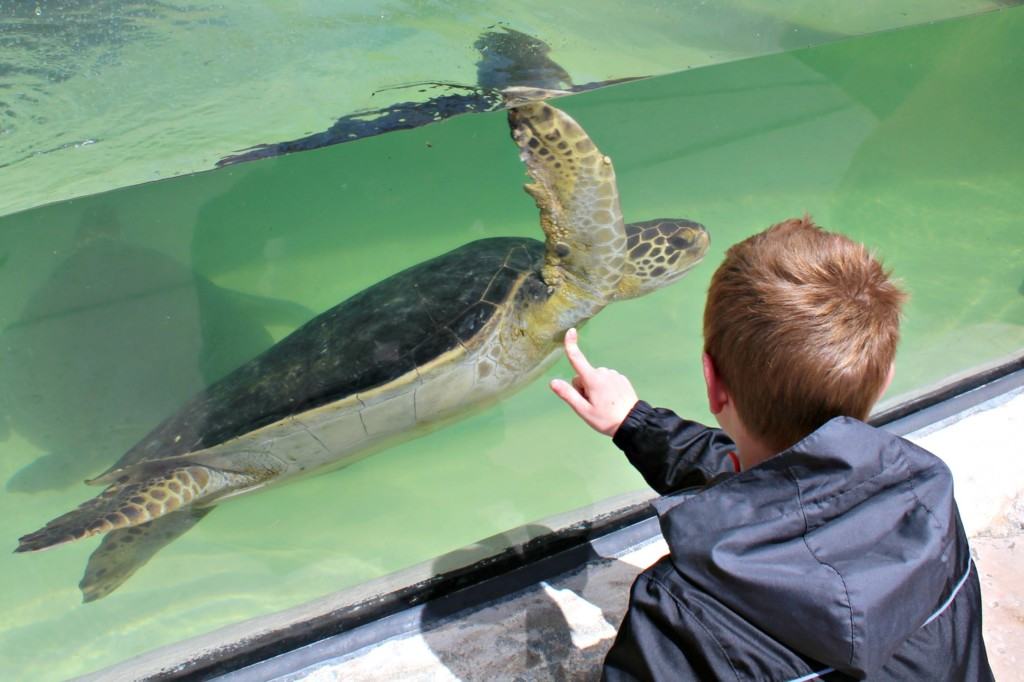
(116,308)
(98,94)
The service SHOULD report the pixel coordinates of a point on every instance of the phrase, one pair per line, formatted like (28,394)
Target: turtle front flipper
(126,550)
(574,187)
(143,493)
(518,95)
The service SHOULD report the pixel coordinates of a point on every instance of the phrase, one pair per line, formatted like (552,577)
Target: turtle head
(659,252)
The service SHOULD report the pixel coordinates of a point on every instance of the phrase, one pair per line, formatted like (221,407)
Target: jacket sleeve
(673,453)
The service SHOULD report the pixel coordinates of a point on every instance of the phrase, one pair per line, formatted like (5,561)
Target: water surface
(98,94)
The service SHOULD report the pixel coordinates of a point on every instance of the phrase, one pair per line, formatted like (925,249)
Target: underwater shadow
(556,629)
(111,344)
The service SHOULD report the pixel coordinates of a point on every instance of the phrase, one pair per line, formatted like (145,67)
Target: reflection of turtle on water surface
(414,351)
(508,58)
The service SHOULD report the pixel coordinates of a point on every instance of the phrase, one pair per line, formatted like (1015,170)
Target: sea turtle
(408,354)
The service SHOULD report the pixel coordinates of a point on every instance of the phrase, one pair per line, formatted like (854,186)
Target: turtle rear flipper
(126,550)
(146,492)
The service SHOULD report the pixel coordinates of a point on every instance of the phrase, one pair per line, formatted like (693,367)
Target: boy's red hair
(802,326)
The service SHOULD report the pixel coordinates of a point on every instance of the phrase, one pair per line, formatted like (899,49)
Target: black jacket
(842,557)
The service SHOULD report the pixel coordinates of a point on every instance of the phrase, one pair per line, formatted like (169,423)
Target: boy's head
(801,325)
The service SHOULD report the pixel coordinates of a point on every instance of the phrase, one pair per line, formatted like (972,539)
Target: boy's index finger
(576,357)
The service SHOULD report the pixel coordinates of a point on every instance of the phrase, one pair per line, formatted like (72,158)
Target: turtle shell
(366,341)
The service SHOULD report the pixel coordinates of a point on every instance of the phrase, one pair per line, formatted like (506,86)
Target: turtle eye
(683,240)
(688,236)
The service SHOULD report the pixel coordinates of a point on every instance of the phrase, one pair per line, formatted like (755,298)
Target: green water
(116,307)
(99,94)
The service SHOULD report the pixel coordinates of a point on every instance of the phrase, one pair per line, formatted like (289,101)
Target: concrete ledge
(519,557)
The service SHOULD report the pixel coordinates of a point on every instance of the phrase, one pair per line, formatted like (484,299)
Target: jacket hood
(840,547)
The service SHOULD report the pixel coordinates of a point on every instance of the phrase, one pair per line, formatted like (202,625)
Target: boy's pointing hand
(600,396)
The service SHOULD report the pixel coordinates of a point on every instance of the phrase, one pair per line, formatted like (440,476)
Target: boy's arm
(670,452)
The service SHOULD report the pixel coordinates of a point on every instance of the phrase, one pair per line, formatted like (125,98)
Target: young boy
(804,544)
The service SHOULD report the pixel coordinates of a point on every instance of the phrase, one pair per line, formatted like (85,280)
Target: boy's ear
(888,380)
(717,394)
